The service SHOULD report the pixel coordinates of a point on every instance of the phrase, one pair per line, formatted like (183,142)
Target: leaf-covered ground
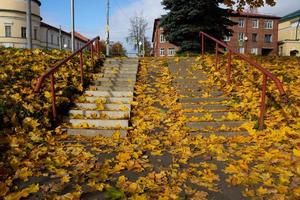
(159,159)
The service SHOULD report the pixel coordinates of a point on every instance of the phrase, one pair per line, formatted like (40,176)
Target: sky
(91,15)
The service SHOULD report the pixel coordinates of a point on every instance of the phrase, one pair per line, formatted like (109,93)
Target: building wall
(13,14)
(158,45)
(287,37)
(249,46)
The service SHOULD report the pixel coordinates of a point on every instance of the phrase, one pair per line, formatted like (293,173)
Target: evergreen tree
(186,18)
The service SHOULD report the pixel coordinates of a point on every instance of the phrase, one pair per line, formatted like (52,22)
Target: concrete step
(115,84)
(98,123)
(125,100)
(122,71)
(109,93)
(215,115)
(202,100)
(117,79)
(107,88)
(220,133)
(119,76)
(109,114)
(108,107)
(215,125)
(96,132)
(208,107)
(200,93)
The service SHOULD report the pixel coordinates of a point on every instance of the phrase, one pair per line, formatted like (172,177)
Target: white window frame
(241,50)
(7,31)
(271,38)
(254,51)
(162,38)
(269,24)
(255,23)
(171,52)
(241,36)
(227,38)
(241,23)
(162,52)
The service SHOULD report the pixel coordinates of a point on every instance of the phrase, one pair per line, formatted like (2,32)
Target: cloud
(120,20)
(282,8)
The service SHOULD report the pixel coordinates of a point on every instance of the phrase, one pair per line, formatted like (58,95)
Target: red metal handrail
(265,72)
(50,73)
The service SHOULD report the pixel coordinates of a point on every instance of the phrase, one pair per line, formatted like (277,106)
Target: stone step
(107,88)
(119,76)
(109,93)
(108,107)
(216,125)
(115,84)
(220,133)
(117,79)
(96,132)
(109,114)
(98,123)
(125,100)
(188,93)
(202,100)
(208,107)
(215,115)
(122,71)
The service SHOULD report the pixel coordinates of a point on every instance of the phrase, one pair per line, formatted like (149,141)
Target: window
(255,23)
(63,42)
(162,52)
(69,44)
(241,36)
(227,38)
(254,51)
(254,37)
(58,40)
(171,51)
(241,23)
(7,31)
(23,32)
(35,34)
(268,38)
(51,39)
(162,38)
(269,24)
(241,50)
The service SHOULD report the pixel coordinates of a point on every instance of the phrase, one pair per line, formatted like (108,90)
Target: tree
(117,49)
(103,47)
(240,4)
(148,47)
(137,31)
(186,18)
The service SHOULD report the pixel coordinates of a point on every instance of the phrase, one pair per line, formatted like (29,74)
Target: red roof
(254,15)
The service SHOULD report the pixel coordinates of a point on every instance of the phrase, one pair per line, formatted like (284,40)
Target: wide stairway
(105,108)
(206,107)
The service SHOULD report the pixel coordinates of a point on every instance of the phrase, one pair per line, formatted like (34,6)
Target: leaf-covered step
(215,125)
(220,133)
(115,84)
(110,107)
(109,93)
(98,123)
(202,100)
(111,88)
(207,107)
(97,132)
(118,100)
(211,115)
(116,79)
(99,114)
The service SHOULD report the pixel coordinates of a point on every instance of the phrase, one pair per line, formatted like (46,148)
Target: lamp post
(29,25)
(73,26)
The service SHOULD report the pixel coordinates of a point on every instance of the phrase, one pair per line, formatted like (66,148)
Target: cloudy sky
(91,14)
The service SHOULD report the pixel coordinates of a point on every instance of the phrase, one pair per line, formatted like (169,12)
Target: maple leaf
(23,193)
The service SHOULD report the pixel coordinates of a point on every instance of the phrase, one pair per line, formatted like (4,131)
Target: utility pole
(107,30)
(73,26)
(60,38)
(29,25)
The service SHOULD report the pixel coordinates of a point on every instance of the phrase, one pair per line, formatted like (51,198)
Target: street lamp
(73,26)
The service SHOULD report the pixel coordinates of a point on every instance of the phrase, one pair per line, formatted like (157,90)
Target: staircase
(206,107)
(105,108)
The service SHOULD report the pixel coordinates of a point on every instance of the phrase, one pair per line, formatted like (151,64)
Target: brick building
(254,34)
(161,47)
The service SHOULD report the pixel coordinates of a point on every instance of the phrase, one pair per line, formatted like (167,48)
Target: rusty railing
(266,74)
(93,45)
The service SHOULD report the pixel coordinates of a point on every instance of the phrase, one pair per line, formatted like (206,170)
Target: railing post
(229,67)
(263,102)
(81,68)
(92,54)
(202,44)
(53,97)
(217,54)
